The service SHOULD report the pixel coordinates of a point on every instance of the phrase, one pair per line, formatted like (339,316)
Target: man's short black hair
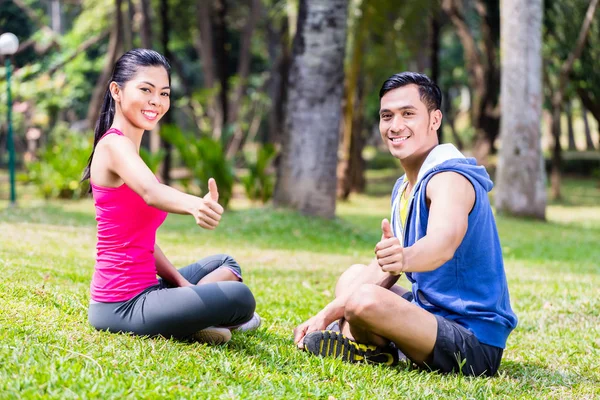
(430,93)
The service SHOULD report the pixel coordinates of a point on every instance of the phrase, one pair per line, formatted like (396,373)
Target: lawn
(48,349)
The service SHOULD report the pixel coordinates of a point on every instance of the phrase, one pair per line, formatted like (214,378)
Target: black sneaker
(334,344)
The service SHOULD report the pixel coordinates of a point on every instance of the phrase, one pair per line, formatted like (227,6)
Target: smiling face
(144,99)
(405,124)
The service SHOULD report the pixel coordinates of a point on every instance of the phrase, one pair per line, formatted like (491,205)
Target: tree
(373,54)
(306,176)
(480,55)
(586,76)
(145,24)
(168,118)
(115,49)
(521,189)
(349,176)
(278,42)
(588,133)
(558,92)
(570,130)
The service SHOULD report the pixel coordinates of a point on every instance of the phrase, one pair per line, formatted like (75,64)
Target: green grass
(48,349)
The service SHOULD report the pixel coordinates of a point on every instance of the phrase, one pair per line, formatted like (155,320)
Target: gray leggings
(180,311)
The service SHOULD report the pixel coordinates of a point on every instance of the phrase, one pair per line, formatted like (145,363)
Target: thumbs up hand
(209,210)
(389,251)
(213,192)
(386,229)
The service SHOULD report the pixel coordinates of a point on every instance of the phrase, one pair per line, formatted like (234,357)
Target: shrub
(152,160)
(205,159)
(259,182)
(61,162)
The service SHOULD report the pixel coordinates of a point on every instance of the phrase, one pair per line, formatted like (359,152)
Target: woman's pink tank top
(127,226)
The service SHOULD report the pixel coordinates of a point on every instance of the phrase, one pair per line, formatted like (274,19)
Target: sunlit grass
(48,349)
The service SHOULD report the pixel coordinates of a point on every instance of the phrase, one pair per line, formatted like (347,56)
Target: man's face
(405,124)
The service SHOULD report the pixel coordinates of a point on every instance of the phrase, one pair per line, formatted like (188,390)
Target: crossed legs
(376,315)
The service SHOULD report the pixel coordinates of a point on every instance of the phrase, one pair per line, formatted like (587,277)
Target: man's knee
(347,277)
(362,304)
(366,303)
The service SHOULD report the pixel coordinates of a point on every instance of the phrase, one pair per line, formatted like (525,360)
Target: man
(443,236)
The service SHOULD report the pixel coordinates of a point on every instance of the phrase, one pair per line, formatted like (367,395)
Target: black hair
(124,70)
(430,93)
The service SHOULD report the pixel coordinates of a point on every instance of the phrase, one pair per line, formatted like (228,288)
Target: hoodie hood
(446,157)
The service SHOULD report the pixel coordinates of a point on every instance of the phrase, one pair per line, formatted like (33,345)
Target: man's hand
(209,212)
(389,251)
(316,323)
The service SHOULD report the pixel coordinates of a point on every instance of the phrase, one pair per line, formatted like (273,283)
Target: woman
(202,301)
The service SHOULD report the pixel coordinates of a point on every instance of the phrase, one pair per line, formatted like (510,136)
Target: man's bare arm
(451,197)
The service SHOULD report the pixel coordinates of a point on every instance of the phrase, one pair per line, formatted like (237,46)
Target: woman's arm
(125,162)
(166,270)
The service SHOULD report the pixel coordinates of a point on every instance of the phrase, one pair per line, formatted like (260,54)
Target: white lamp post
(9,45)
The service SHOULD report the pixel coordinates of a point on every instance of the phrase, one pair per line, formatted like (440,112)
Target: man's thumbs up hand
(389,251)
(386,229)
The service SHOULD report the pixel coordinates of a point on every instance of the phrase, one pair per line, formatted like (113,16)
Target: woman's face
(144,99)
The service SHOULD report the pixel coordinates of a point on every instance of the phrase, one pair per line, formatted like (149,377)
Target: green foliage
(562,24)
(49,349)
(377,159)
(59,169)
(578,163)
(152,160)
(205,159)
(259,182)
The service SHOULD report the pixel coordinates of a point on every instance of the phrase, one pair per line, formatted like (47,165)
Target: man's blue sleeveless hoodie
(471,288)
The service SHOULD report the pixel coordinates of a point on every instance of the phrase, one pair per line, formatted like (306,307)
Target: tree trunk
(350,108)
(145,24)
(520,176)
(356,172)
(587,104)
(56,16)
(434,55)
(114,51)
(570,131)
(558,95)
(243,71)
(245,55)
(449,116)
(351,173)
(167,119)
(589,142)
(590,105)
(222,58)
(484,75)
(203,43)
(279,50)
(556,160)
(128,27)
(307,171)
(146,42)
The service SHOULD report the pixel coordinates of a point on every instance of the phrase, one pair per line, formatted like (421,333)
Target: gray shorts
(458,349)
(179,312)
